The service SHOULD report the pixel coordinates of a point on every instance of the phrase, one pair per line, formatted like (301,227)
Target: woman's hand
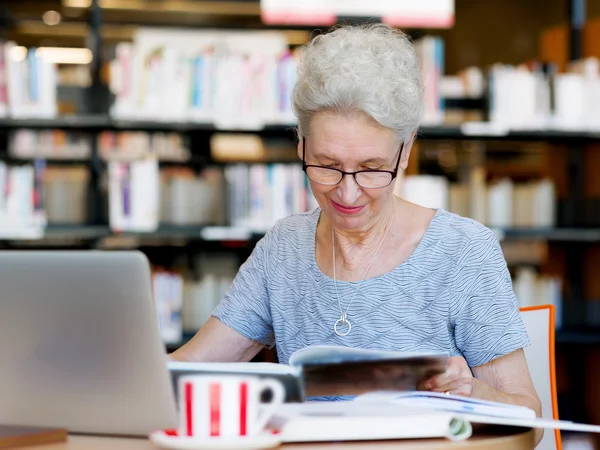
(456,380)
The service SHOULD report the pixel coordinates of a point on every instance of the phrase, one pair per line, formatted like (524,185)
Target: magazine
(324,370)
(343,371)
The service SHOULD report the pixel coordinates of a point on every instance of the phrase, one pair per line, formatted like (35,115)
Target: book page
(451,403)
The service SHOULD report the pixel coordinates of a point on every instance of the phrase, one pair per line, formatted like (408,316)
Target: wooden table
(514,439)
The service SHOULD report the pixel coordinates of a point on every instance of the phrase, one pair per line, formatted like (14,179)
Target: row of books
(33,195)
(533,289)
(501,203)
(248,196)
(141,196)
(190,198)
(185,302)
(202,292)
(27,143)
(55,144)
(256,195)
(260,194)
(186,198)
(243,80)
(535,96)
(232,79)
(28,83)
(131,145)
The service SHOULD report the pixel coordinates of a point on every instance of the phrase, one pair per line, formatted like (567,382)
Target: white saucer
(264,440)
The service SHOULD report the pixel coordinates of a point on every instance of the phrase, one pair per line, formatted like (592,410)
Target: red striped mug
(226,406)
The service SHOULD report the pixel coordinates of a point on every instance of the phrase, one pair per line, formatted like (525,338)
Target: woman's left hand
(456,380)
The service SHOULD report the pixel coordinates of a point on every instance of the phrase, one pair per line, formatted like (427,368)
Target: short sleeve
(245,306)
(487,320)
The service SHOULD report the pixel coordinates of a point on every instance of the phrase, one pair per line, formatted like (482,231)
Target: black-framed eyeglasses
(367,178)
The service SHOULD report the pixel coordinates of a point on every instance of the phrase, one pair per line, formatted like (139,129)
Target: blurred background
(166,126)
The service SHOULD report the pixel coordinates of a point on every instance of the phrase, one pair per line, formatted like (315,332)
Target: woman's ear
(300,142)
(406,148)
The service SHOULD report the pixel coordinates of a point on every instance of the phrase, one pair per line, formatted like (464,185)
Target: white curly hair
(371,69)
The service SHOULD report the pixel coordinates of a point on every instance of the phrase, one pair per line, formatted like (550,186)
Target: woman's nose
(348,190)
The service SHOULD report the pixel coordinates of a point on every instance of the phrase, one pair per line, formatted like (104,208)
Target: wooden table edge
(515,439)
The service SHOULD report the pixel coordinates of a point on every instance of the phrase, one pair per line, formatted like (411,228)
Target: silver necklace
(343,320)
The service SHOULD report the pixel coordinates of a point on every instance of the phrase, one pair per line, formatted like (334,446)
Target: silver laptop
(79,343)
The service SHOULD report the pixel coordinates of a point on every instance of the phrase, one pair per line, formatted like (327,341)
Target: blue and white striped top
(454,294)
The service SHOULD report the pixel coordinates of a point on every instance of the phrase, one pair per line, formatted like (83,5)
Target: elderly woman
(367,269)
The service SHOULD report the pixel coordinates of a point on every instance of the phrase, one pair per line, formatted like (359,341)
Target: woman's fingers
(457,379)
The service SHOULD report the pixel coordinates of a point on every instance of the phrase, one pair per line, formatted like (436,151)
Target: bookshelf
(169,244)
(224,234)
(96,123)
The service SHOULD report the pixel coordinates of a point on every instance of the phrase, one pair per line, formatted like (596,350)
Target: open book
(354,421)
(404,415)
(324,370)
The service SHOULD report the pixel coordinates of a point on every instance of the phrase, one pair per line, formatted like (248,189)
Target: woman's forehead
(369,153)
(327,123)
(330,131)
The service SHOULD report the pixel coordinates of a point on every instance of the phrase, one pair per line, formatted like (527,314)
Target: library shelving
(95,123)
(224,234)
(569,238)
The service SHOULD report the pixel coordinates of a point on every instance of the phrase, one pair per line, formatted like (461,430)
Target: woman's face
(351,144)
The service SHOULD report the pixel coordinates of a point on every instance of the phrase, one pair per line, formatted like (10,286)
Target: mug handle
(268,409)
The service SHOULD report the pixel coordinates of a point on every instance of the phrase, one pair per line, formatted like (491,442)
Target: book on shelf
(134,195)
(22,209)
(3,82)
(430,51)
(65,194)
(167,289)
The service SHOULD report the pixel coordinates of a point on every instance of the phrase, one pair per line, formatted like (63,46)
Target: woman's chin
(350,222)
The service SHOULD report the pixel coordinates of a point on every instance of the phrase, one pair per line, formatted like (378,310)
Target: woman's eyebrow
(375,160)
(319,155)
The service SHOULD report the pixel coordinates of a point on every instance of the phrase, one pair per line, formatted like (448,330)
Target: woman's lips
(347,209)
